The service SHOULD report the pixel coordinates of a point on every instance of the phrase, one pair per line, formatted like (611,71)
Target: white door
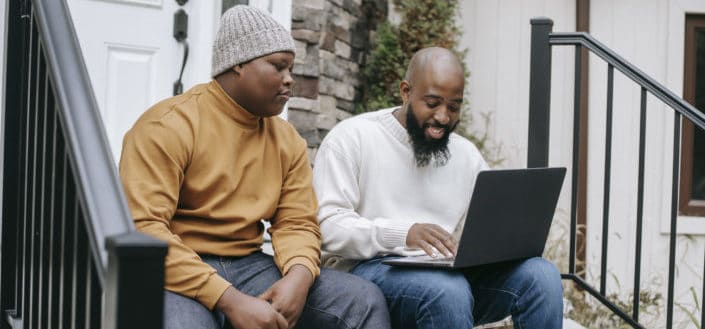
(132,57)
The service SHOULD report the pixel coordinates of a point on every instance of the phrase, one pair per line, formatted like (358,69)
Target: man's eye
(431,105)
(281,66)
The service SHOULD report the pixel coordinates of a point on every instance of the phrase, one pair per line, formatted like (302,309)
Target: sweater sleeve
(345,232)
(296,236)
(154,156)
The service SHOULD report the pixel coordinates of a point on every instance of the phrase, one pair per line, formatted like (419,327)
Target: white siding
(497,35)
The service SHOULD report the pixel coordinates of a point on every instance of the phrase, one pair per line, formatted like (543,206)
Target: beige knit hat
(246,33)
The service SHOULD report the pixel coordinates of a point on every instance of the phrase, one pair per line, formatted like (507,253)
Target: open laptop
(509,217)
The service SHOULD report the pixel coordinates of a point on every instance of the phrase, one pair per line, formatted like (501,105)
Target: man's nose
(441,115)
(288,79)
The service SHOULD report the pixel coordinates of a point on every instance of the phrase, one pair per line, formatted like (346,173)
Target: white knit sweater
(370,191)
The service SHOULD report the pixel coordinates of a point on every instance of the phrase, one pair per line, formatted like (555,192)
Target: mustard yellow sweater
(200,172)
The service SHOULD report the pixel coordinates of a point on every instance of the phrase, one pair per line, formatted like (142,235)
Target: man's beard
(427,149)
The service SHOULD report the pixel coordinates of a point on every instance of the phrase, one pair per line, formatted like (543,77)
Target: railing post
(539,92)
(16,44)
(134,285)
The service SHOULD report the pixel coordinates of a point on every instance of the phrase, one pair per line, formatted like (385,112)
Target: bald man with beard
(398,181)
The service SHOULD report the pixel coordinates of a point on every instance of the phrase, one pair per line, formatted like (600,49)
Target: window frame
(686,204)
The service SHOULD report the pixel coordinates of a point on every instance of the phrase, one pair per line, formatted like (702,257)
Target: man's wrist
(301,272)
(228,299)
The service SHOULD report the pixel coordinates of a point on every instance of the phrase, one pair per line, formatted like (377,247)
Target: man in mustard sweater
(203,169)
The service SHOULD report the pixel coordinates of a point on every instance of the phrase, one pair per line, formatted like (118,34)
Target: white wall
(497,35)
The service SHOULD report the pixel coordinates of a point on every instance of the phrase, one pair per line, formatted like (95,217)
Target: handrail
(102,198)
(542,40)
(631,71)
(70,251)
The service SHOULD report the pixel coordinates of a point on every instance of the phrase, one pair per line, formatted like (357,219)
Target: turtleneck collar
(226,104)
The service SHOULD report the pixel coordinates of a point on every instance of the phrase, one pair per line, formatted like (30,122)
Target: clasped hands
(279,307)
(433,239)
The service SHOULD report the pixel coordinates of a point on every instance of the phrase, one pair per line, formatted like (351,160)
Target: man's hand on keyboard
(433,239)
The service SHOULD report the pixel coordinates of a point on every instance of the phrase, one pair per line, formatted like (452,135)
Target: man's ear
(404,91)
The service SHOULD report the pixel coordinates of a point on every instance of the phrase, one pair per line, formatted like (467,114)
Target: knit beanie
(246,33)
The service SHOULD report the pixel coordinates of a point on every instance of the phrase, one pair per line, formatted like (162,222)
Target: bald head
(432,97)
(433,59)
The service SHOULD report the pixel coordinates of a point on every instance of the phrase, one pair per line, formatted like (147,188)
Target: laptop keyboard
(427,258)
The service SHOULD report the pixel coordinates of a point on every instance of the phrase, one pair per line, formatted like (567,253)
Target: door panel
(130,71)
(133,59)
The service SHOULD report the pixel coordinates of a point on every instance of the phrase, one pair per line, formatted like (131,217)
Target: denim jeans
(529,290)
(336,299)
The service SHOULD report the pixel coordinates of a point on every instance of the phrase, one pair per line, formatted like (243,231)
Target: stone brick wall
(331,39)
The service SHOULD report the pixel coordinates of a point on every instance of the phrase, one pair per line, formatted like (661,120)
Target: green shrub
(424,23)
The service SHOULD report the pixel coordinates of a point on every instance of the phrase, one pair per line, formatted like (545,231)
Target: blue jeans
(529,290)
(336,299)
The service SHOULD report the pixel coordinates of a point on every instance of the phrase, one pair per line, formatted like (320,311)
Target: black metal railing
(69,253)
(542,39)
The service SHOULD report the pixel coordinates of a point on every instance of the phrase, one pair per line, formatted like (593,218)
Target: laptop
(509,217)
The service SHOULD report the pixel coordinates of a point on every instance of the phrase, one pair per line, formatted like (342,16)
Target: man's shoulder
(171,114)
(179,104)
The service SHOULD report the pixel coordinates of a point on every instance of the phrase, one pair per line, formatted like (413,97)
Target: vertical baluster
(61,273)
(608,169)
(639,206)
(53,221)
(674,220)
(576,153)
(37,189)
(26,171)
(48,201)
(67,245)
(40,206)
(15,96)
(80,274)
(87,297)
(75,254)
(97,298)
(93,294)
(58,226)
(28,292)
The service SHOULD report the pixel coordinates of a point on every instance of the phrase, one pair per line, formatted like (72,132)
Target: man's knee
(368,294)
(181,312)
(428,298)
(543,277)
(427,290)
(357,303)
(445,290)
